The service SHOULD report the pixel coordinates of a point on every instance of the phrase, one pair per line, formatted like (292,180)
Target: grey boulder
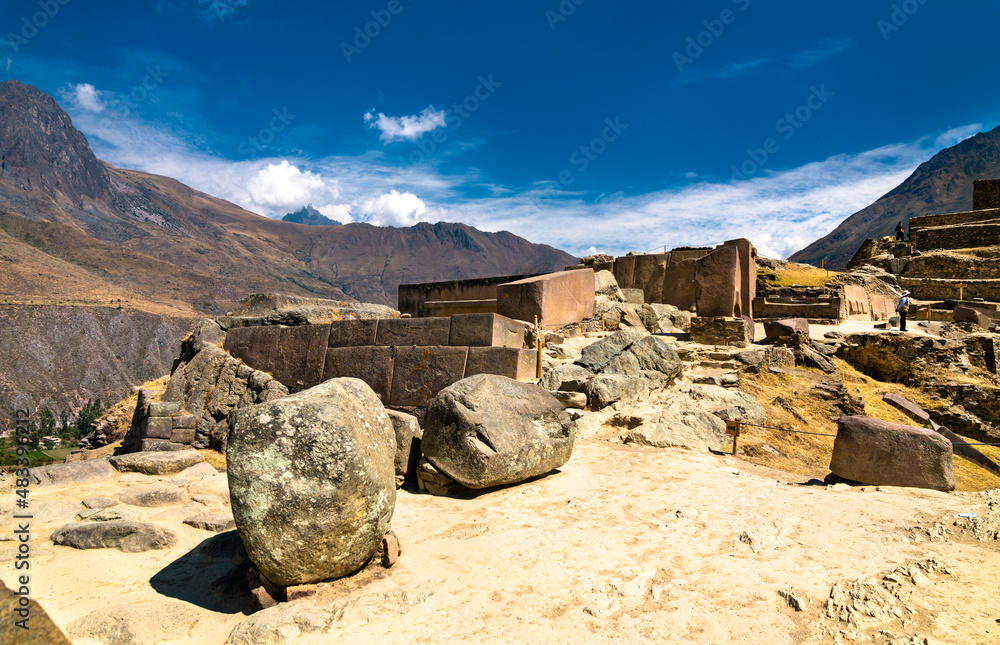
(490,430)
(692,430)
(75,472)
(127,536)
(157,463)
(312,481)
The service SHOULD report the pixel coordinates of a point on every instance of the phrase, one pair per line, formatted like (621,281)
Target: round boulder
(312,481)
(489,430)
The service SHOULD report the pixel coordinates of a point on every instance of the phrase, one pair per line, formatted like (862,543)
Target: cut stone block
(373,365)
(292,355)
(159,427)
(679,287)
(161,445)
(423,332)
(786,327)
(485,330)
(518,364)
(353,333)
(164,408)
(182,435)
(718,276)
(880,453)
(557,298)
(186,421)
(748,273)
(419,373)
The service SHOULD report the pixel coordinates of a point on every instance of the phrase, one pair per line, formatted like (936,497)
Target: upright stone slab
(624,270)
(293,355)
(679,286)
(557,298)
(413,331)
(353,333)
(876,452)
(373,365)
(650,270)
(312,481)
(419,373)
(485,330)
(718,278)
(518,364)
(489,430)
(748,273)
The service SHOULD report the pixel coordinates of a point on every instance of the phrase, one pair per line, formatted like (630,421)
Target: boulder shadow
(212,575)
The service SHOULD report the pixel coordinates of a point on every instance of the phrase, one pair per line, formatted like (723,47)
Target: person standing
(900,233)
(902,309)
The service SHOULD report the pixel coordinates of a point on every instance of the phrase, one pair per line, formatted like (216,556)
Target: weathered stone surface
(634,296)
(718,278)
(606,285)
(605,389)
(214,522)
(964,313)
(812,358)
(352,333)
(568,377)
(127,536)
(162,445)
(490,430)
(186,421)
(650,353)
(577,400)
(182,435)
(99,503)
(41,629)
(419,373)
(137,623)
(157,463)
(312,481)
(907,406)
(679,286)
(692,430)
(293,355)
(108,515)
(557,298)
(413,331)
(666,319)
(727,332)
(518,364)
(164,409)
(614,316)
(373,365)
(878,452)
(786,327)
(77,472)
(216,485)
(153,495)
(748,273)
(596,356)
(486,330)
(408,437)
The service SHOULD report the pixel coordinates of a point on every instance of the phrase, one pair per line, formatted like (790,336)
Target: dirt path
(623,544)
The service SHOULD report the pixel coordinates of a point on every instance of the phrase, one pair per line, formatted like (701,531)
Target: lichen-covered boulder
(490,430)
(312,481)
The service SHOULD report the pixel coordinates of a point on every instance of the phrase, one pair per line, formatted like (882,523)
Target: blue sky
(584,124)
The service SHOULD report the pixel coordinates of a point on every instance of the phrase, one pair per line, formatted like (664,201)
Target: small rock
(157,463)
(153,495)
(215,522)
(127,536)
(108,515)
(99,503)
(794,598)
(390,549)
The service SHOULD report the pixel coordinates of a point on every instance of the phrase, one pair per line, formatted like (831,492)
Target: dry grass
(809,454)
(803,275)
(214,458)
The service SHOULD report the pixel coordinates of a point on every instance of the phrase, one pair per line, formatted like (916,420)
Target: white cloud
(87,96)
(406,128)
(394,209)
(283,186)
(957,135)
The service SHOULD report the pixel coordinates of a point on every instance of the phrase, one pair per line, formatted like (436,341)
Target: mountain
(77,232)
(310,217)
(942,184)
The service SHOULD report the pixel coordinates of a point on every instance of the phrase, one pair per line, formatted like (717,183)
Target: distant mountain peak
(942,184)
(41,150)
(309,216)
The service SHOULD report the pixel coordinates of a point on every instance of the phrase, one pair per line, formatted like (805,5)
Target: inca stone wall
(966,236)
(986,194)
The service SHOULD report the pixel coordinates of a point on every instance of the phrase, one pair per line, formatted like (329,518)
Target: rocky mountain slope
(943,184)
(75,231)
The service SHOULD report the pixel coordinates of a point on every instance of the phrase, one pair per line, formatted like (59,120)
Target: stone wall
(965,236)
(985,194)
(953,219)
(951,266)
(943,289)
(809,308)
(472,296)
(723,331)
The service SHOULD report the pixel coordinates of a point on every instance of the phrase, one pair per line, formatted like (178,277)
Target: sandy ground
(622,544)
